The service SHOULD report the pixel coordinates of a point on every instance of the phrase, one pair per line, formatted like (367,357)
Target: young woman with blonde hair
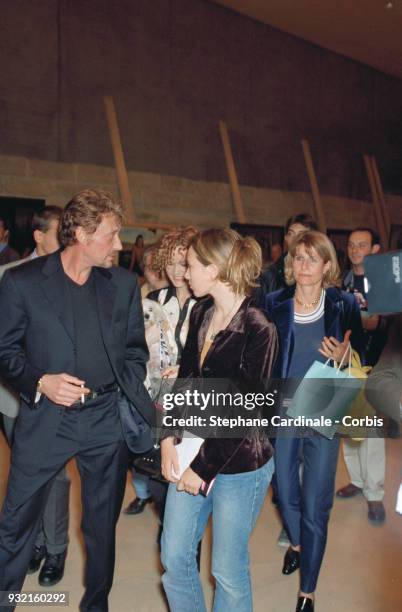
(228,339)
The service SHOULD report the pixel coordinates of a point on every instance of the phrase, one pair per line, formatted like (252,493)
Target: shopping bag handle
(339,367)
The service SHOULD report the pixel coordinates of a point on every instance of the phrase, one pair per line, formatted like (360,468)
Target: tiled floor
(362,569)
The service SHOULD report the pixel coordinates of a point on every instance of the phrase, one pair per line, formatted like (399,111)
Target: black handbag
(150,464)
(150,461)
(136,431)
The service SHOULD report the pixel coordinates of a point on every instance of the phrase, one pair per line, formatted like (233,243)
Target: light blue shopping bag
(326,392)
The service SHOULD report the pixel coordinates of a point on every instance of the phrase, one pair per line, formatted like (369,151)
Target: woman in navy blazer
(315,321)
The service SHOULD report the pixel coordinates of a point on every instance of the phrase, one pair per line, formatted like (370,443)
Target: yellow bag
(360,407)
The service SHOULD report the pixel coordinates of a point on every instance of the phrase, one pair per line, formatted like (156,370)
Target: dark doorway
(340,241)
(18,214)
(396,238)
(265,235)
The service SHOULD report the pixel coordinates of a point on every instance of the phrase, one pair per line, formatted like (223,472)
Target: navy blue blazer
(341,313)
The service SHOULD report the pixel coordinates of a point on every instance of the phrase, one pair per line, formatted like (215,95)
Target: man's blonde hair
(86,210)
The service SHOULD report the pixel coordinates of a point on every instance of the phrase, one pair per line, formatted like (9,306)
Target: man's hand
(370,322)
(190,482)
(63,389)
(170,460)
(360,299)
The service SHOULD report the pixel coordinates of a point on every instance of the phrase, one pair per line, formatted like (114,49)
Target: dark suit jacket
(36,337)
(384,385)
(7,255)
(341,313)
(244,352)
(271,279)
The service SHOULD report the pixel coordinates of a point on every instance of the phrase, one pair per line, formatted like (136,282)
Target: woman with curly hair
(176,301)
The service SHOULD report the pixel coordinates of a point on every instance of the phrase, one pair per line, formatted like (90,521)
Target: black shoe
(305,604)
(376,511)
(137,506)
(52,570)
(36,559)
(291,561)
(350,490)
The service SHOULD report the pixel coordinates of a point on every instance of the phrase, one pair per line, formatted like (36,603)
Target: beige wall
(168,199)
(174,69)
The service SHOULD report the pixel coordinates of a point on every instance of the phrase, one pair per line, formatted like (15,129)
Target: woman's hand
(190,482)
(170,460)
(333,349)
(170,372)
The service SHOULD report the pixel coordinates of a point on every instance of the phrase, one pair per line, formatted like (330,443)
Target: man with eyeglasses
(365,460)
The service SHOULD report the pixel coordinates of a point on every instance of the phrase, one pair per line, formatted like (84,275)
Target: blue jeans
(235,502)
(140,484)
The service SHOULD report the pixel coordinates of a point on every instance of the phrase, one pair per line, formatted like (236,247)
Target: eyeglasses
(358,245)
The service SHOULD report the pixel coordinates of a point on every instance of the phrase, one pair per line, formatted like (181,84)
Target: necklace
(308,305)
(227,317)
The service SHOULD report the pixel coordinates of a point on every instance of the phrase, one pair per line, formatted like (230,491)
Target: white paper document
(187,450)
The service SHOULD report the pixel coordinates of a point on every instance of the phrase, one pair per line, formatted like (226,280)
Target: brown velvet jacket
(244,351)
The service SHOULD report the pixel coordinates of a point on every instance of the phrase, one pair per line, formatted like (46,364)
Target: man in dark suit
(7,254)
(52,540)
(72,344)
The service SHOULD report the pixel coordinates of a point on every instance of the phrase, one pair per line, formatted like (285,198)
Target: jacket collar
(106,292)
(283,314)
(333,307)
(348,278)
(52,264)
(283,296)
(55,288)
(170,291)
(57,293)
(235,326)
